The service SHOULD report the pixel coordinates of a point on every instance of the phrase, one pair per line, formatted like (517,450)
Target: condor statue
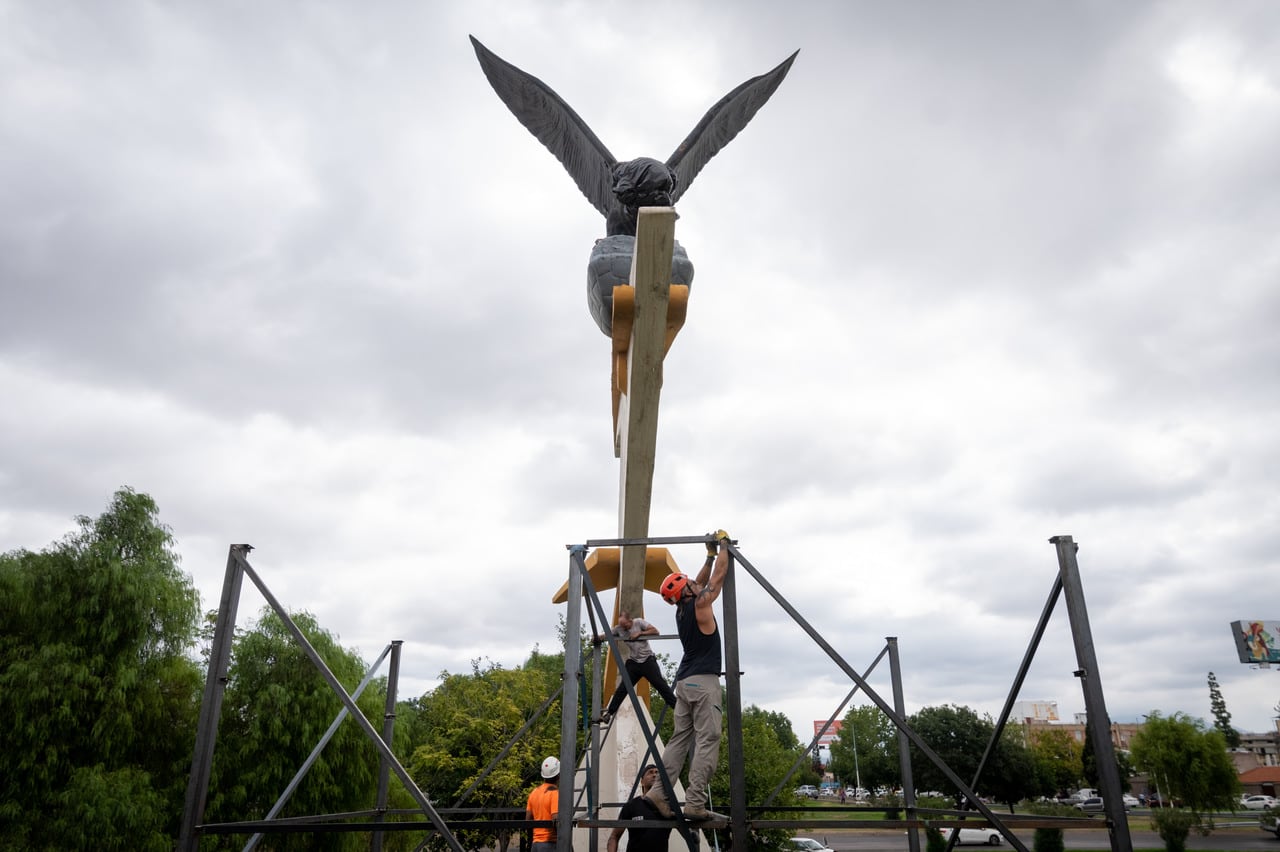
(618,189)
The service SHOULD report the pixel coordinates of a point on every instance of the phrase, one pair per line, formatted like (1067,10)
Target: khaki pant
(697,726)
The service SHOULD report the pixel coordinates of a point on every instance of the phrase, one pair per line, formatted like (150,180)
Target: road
(877,840)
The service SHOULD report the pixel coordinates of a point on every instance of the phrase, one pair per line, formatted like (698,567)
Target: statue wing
(722,122)
(555,125)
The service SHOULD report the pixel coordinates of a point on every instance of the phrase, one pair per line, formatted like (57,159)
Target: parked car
(1260,803)
(1091,805)
(807,790)
(808,844)
(1271,824)
(986,836)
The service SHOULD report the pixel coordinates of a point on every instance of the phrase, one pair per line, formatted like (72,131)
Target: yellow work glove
(712,547)
(721,535)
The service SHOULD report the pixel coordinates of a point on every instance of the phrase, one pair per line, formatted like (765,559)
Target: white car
(987,836)
(808,844)
(1259,803)
(1130,802)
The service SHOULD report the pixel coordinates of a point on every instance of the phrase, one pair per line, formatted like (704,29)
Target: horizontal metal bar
(647,638)
(300,826)
(670,539)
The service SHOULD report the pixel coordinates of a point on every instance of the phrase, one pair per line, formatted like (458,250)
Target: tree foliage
(1058,758)
(781,726)
(98,694)
(959,736)
(875,738)
(1089,762)
(466,721)
(769,752)
(1173,826)
(1187,762)
(276,708)
(1221,717)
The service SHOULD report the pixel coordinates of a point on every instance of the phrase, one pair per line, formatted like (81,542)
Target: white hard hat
(551,768)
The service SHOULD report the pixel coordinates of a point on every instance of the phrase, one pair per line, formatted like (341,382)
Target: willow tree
(276,707)
(1187,762)
(98,689)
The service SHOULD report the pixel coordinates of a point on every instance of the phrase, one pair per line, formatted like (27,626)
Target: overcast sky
(979,274)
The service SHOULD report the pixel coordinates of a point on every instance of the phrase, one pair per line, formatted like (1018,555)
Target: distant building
(1041,711)
(1261,781)
(1257,759)
(830,735)
(1122,733)
(1263,749)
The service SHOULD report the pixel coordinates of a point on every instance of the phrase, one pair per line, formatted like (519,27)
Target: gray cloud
(971,279)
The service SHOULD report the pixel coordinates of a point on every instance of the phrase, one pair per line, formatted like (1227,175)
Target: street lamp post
(857,773)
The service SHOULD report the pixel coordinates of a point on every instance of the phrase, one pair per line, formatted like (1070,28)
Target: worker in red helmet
(697,684)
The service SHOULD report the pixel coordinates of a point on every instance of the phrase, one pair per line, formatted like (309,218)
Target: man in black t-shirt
(697,683)
(641,839)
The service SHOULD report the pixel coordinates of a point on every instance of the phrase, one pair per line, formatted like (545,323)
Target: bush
(892,803)
(1173,826)
(933,840)
(1049,839)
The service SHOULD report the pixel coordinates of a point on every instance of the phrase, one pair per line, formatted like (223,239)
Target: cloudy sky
(979,274)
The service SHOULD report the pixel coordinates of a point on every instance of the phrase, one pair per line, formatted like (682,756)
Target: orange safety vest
(544,803)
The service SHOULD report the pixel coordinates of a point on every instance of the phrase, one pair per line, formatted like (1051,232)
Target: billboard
(1257,641)
(832,733)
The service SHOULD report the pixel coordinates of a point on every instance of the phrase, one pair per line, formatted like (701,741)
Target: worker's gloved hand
(721,535)
(712,547)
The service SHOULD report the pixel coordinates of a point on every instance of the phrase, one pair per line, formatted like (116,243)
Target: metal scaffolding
(1068,579)
(572,812)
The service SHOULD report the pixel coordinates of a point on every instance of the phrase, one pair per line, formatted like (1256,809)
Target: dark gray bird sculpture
(618,189)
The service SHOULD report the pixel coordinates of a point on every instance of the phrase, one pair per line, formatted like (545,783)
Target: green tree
(781,726)
(1187,762)
(276,707)
(957,734)
(97,690)
(1011,773)
(876,740)
(768,755)
(960,736)
(1058,758)
(1089,757)
(1124,765)
(1221,718)
(1089,762)
(466,721)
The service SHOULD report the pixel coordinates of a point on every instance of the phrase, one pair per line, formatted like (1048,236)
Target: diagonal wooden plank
(638,411)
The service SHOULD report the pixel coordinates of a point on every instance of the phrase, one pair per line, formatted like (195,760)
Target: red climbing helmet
(672,588)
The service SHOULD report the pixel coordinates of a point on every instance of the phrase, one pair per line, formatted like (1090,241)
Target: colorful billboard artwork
(1257,641)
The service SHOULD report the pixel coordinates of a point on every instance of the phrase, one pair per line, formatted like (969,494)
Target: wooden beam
(637,437)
